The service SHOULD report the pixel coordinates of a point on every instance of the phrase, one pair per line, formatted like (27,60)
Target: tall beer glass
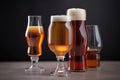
(60,40)
(94,47)
(34,36)
(77,55)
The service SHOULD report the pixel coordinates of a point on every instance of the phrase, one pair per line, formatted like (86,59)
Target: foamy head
(77,13)
(56,18)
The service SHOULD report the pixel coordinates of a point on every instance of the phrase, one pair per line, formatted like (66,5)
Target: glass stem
(60,70)
(34,61)
(60,64)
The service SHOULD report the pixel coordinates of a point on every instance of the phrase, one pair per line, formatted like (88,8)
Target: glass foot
(60,70)
(59,74)
(34,68)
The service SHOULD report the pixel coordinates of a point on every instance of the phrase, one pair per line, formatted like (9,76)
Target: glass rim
(34,16)
(91,25)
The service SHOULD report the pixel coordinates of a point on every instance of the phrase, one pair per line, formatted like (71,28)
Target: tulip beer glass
(94,47)
(34,36)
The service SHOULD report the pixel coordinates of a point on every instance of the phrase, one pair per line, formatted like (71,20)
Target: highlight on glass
(34,37)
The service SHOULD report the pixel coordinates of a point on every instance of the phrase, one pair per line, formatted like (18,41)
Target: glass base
(58,73)
(84,70)
(79,65)
(60,70)
(35,69)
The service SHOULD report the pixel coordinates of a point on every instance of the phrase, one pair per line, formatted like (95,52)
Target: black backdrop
(13,21)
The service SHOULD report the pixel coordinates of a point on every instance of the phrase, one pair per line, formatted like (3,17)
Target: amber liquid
(77,59)
(34,36)
(93,58)
(60,38)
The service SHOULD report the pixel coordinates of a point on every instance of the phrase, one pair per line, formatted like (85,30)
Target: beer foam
(77,13)
(55,18)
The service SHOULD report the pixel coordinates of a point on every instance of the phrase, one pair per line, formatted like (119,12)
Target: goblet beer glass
(34,36)
(94,47)
(60,41)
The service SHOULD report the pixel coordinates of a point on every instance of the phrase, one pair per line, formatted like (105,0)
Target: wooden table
(110,70)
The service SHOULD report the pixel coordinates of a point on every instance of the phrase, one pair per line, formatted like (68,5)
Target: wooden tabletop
(110,70)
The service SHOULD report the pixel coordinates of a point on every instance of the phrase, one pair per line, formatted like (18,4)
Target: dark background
(13,21)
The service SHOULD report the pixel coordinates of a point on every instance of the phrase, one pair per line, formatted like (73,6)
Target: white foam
(77,13)
(55,18)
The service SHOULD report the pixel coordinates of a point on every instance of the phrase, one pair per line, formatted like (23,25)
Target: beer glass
(94,47)
(77,55)
(34,36)
(60,41)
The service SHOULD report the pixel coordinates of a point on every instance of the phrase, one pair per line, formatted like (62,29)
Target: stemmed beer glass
(34,36)
(60,41)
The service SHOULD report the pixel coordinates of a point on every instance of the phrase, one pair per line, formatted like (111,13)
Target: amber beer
(34,36)
(60,41)
(60,34)
(77,55)
(93,58)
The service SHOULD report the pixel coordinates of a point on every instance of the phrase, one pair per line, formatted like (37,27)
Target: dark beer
(93,58)
(77,56)
(34,36)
